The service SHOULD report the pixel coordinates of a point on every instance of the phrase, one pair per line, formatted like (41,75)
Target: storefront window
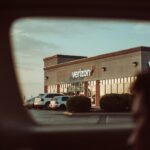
(114,86)
(129,80)
(125,80)
(132,79)
(108,86)
(92,91)
(102,88)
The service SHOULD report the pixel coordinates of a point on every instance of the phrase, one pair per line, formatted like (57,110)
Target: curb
(67,113)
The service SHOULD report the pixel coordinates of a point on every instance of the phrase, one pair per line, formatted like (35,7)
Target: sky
(36,38)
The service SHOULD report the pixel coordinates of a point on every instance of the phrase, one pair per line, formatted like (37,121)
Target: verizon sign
(81,73)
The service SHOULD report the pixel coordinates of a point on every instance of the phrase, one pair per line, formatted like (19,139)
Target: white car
(43,100)
(59,102)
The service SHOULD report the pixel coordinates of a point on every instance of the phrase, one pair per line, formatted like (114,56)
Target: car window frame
(18,122)
(65,99)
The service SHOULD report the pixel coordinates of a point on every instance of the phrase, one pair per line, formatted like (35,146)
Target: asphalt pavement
(49,117)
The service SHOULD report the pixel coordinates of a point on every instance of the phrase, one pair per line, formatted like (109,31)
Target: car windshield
(55,98)
(93,61)
(40,95)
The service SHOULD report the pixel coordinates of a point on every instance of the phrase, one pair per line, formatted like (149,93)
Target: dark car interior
(18,129)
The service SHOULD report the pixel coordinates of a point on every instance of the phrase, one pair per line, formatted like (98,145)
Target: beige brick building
(95,76)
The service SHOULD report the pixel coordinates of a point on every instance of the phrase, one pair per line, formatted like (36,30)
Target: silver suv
(58,102)
(43,100)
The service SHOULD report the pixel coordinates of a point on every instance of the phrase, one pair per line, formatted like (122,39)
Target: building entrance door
(76,88)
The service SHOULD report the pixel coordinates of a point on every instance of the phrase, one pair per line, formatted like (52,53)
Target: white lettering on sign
(81,73)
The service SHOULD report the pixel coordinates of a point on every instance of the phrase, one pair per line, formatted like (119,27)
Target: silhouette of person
(140,137)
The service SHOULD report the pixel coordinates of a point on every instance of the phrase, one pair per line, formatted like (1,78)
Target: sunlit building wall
(95,76)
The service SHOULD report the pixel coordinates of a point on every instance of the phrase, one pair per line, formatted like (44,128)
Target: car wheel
(47,106)
(62,107)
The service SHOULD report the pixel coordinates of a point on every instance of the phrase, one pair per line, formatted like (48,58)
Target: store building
(95,76)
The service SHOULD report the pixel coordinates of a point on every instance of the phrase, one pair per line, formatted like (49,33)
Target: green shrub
(79,104)
(116,102)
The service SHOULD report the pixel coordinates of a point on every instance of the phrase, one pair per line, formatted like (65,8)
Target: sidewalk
(96,111)
(95,108)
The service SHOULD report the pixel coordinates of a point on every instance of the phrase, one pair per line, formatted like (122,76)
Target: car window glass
(78,57)
(65,98)
(55,98)
(40,95)
(49,96)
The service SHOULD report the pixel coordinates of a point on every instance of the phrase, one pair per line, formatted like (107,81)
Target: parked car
(30,103)
(43,100)
(58,102)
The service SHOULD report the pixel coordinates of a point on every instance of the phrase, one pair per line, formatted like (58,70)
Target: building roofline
(62,56)
(112,54)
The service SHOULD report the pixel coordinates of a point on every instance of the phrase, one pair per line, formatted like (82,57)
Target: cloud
(143,28)
(49,36)
(44,26)
(34,39)
(31,89)
(25,42)
(61,27)
(26,66)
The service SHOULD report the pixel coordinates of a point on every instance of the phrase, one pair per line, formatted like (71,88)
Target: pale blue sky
(34,39)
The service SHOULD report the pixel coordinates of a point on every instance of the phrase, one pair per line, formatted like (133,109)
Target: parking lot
(47,117)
